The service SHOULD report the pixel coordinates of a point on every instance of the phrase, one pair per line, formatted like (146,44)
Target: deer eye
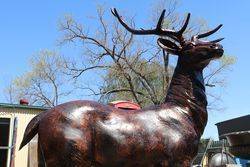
(213,46)
(189,46)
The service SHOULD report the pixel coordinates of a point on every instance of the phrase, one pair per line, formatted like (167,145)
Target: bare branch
(127,68)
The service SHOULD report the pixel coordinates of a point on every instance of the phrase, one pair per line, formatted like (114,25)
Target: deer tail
(32,129)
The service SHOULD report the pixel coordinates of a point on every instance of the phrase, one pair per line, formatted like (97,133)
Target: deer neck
(187,90)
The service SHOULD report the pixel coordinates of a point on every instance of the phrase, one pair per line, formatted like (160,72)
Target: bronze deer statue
(86,133)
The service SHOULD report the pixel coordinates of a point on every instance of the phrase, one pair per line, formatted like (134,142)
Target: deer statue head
(193,53)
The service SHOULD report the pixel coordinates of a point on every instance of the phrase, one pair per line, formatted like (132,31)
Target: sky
(29,26)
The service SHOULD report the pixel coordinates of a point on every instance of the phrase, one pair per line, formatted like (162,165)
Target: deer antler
(208,34)
(176,35)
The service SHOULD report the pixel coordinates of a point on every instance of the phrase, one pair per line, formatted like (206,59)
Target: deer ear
(168,46)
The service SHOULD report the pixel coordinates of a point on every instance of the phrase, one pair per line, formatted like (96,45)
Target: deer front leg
(185,163)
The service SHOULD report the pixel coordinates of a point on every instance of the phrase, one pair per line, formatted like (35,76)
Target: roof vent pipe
(24,102)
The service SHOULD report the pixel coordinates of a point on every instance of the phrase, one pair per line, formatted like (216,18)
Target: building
(237,132)
(233,146)
(13,121)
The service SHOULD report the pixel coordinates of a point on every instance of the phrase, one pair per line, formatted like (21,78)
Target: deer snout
(219,50)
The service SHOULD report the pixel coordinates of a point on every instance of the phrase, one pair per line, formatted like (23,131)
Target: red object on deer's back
(126,105)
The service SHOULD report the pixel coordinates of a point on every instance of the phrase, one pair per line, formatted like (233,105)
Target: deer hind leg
(185,163)
(71,156)
(40,154)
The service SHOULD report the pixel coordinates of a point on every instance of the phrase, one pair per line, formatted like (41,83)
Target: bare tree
(9,93)
(129,66)
(216,76)
(45,84)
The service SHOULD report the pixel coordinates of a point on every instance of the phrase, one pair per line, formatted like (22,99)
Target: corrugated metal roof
(234,125)
(8,105)
(234,119)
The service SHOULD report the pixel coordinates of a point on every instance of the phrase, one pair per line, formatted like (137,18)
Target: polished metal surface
(86,133)
(221,160)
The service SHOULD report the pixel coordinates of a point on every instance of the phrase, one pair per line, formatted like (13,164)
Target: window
(8,130)
(4,141)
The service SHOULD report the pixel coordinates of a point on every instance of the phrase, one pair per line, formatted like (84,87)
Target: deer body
(110,137)
(87,133)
